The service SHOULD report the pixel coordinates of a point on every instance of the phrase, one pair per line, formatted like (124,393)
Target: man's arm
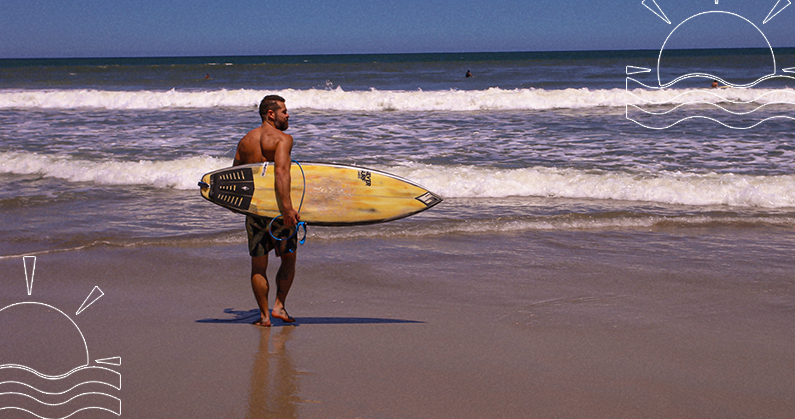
(282,163)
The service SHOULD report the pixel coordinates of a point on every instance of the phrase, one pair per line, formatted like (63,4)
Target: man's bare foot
(282,315)
(266,322)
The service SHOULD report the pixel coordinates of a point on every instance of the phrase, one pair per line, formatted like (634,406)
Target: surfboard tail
(232,189)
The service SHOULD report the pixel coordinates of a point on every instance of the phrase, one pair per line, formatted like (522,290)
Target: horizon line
(110,57)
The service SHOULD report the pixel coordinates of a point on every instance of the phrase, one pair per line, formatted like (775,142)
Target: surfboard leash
(300,224)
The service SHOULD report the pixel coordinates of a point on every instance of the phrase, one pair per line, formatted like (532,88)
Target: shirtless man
(268,142)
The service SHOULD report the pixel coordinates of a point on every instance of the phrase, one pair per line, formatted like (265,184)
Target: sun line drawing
(57,395)
(642,96)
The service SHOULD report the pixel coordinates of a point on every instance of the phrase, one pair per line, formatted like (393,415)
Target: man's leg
(284,280)
(259,283)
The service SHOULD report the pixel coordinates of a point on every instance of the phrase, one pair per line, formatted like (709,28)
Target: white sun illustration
(45,367)
(730,93)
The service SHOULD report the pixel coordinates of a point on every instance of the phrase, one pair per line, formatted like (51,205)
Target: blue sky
(110,28)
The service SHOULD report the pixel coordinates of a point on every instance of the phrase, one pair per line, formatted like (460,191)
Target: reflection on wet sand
(274,379)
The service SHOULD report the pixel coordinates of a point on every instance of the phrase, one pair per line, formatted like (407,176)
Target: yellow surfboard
(333,194)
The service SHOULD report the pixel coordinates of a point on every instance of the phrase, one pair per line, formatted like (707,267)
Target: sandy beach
(565,325)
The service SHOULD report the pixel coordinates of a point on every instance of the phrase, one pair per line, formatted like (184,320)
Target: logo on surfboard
(365,176)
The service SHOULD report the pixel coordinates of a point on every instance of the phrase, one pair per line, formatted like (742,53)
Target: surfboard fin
(429,199)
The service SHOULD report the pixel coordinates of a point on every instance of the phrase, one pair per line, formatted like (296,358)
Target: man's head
(274,105)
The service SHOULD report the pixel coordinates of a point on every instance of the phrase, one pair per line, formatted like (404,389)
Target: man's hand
(291,218)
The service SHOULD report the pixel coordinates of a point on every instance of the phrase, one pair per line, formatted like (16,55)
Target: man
(268,142)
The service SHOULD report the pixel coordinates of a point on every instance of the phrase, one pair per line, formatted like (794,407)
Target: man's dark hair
(269,103)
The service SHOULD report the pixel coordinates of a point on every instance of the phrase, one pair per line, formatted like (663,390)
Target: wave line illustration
(50,384)
(15,395)
(89,394)
(731,108)
(707,104)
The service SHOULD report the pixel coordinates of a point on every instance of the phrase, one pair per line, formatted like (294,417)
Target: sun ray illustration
(29,278)
(116,361)
(631,70)
(658,10)
(776,10)
(93,296)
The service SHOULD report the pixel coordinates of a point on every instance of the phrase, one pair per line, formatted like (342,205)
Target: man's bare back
(260,144)
(268,142)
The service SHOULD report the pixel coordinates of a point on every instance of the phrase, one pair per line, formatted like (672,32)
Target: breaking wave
(698,189)
(340,100)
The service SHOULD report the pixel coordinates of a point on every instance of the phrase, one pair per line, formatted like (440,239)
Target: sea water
(108,152)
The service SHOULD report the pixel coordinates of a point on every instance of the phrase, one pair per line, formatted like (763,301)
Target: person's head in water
(274,104)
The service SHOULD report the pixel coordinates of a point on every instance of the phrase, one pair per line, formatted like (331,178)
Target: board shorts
(260,240)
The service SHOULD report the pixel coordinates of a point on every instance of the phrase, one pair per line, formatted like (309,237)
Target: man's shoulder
(287,137)
(274,137)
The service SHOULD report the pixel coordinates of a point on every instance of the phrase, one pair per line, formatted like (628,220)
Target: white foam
(372,100)
(699,189)
(490,226)
(177,174)
(100,99)
(541,223)
(662,187)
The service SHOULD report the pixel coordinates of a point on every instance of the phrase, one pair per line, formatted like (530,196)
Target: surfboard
(333,194)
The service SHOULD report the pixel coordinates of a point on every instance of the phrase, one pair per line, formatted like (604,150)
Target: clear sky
(112,28)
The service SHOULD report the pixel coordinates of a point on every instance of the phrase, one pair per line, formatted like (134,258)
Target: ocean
(605,249)
(108,152)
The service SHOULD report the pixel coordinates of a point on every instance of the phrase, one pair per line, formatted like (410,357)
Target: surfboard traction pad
(234,190)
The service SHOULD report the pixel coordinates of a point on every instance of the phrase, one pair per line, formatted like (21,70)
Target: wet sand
(536,325)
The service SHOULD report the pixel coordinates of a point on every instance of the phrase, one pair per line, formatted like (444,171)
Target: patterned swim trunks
(260,241)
